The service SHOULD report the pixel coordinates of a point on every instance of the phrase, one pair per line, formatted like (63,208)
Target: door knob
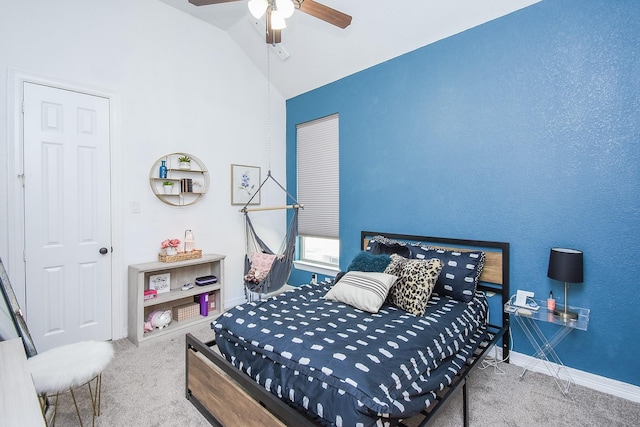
(103,251)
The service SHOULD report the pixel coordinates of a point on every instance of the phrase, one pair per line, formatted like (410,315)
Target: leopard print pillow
(416,280)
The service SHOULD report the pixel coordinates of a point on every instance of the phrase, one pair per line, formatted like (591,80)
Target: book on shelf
(186,185)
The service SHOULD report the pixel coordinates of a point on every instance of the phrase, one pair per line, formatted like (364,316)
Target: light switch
(135,207)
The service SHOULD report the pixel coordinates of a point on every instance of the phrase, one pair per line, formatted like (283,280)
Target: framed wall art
(160,282)
(245,181)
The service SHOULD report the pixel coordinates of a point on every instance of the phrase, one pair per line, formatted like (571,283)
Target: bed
(313,356)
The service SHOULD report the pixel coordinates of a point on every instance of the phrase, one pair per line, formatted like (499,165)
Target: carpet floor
(145,387)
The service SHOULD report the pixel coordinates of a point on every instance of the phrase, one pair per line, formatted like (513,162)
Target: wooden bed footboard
(227,397)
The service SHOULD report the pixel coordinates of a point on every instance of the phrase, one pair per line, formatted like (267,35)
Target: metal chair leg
(94,394)
(99,392)
(96,399)
(73,396)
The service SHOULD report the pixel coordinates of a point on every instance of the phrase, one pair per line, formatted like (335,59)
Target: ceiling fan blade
(208,2)
(325,13)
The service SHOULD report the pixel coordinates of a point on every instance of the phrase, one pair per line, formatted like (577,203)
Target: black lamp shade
(565,265)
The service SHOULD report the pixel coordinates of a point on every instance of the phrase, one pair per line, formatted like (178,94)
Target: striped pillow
(363,290)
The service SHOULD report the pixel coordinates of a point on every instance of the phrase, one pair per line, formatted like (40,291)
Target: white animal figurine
(159,319)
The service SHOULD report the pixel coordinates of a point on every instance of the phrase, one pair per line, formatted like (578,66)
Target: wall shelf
(179,194)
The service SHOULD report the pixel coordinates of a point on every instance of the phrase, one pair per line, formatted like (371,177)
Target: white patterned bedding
(349,367)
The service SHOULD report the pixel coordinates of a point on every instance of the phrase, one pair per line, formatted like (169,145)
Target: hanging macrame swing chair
(264,270)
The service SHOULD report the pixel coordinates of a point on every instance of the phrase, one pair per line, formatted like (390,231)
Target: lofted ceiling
(320,53)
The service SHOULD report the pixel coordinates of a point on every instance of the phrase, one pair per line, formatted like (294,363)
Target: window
(320,250)
(318,190)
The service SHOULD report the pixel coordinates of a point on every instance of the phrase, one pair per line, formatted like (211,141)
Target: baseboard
(586,379)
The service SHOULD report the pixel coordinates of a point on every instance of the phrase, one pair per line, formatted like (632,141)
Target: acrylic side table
(545,348)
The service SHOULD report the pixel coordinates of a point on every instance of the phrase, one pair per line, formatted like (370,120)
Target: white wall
(179,85)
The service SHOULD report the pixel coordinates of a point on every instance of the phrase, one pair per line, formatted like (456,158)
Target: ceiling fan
(277,10)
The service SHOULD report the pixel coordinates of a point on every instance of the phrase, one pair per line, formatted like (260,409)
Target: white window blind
(318,177)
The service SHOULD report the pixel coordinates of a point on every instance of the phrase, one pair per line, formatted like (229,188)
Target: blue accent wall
(525,129)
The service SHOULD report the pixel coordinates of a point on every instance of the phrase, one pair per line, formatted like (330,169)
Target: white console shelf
(181,272)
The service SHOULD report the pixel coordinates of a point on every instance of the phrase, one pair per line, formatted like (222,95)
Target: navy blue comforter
(349,367)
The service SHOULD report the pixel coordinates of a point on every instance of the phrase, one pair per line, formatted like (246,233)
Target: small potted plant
(185,162)
(168,187)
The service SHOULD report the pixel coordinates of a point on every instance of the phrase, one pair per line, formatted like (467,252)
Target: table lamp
(566,265)
(189,241)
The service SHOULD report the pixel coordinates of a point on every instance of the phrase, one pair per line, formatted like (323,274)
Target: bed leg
(465,406)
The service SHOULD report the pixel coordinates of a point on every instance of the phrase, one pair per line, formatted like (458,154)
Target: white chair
(68,368)
(62,369)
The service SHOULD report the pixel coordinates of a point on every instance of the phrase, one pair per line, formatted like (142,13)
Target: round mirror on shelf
(179,179)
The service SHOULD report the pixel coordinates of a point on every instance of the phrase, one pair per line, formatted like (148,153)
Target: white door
(67,216)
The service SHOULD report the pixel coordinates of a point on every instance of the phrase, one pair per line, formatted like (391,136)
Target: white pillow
(366,291)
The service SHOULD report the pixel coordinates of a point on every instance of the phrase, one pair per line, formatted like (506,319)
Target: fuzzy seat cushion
(69,366)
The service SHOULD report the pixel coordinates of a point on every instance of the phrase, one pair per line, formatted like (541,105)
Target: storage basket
(186,311)
(181,256)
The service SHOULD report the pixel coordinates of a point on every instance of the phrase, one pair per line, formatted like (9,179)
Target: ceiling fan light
(285,7)
(277,20)
(258,7)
